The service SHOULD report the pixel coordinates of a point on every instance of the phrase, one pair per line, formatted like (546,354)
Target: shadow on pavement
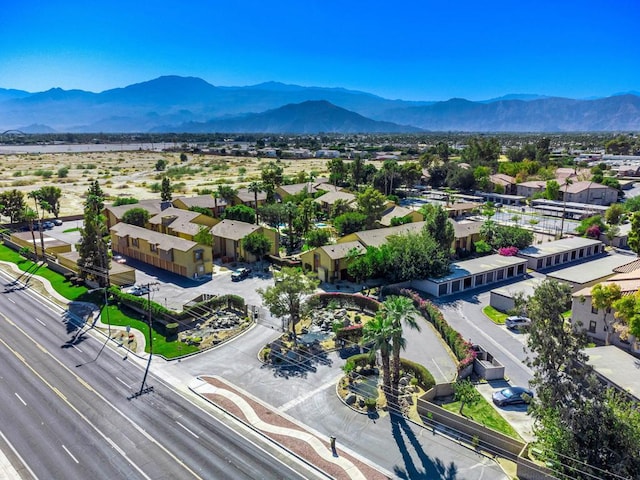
(428,468)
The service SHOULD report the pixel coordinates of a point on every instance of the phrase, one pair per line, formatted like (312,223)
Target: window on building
(479,279)
(198,255)
(490,277)
(581,253)
(135,242)
(548,262)
(592,326)
(467,283)
(455,286)
(509,272)
(521,269)
(153,247)
(573,255)
(539,263)
(499,275)
(594,310)
(442,289)
(565,257)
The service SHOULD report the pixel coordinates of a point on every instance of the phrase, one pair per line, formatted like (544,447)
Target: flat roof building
(567,250)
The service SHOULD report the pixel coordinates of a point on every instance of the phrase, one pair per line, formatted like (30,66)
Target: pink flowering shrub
(593,231)
(462,349)
(508,251)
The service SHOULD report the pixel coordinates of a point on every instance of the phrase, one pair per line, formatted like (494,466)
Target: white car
(517,322)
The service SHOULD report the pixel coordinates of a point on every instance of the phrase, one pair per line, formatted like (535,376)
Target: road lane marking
(70,454)
(11,300)
(76,348)
(187,430)
(123,382)
(15,452)
(115,446)
(20,398)
(137,427)
(40,322)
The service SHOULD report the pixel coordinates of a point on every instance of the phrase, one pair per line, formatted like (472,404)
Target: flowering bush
(462,349)
(508,251)
(593,231)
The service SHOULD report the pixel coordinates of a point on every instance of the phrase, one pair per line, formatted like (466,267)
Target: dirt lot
(133,174)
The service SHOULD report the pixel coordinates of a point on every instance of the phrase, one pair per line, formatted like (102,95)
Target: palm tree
(255,188)
(36,195)
(379,332)
(400,310)
(29,215)
(567,182)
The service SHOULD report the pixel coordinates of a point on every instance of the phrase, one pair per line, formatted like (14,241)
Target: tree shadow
(430,468)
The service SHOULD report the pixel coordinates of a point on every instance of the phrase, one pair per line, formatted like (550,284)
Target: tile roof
(377,237)
(151,206)
(393,212)
(203,201)
(331,197)
(246,196)
(233,229)
(163,241)
(341,250)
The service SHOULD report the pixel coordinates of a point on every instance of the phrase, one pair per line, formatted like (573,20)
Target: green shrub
(422,375)
(370,403)
(171,329)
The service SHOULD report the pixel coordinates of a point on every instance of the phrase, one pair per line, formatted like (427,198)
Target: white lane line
(70,454)
(76,348)
(7,467)
(20,398)
(123,382)
(10,300)
(187,430)
(116,447)
(433,360)
(40,322)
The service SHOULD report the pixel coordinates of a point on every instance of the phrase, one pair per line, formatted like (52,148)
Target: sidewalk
(285,431)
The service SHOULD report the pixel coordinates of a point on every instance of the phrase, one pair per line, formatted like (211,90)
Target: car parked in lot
(119,259)
(240,274)
(57,222)
(138,290)
(517,322)
(512,396)
(47,225)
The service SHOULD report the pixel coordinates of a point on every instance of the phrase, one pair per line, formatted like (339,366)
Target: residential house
(283,192)
(227,240)
(529,189)
(181,223)
(467,233)
(616,368)
(114,214)
(171,253)
(215,205)
(245,197)
(328,200)
(507,183)
(322,153)
(589,192)
(592,319)
(461,209)
(403,213)
(330,262)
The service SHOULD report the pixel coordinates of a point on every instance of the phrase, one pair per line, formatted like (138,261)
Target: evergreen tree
(93,262)
(165,191)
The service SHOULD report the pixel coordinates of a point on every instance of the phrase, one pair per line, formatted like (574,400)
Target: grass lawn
(169,349)
(69,230)
(495,315)
(58,282)
(484,414)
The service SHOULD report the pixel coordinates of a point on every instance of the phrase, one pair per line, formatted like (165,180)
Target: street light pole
(148,389)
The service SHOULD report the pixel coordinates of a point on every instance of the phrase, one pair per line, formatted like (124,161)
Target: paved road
(310,397)
(76,422)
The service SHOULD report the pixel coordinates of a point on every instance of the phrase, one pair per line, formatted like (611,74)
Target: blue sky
(414,50)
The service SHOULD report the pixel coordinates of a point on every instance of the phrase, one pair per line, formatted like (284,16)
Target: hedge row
(462,349)
(424,377)
(163,314)
(348,300)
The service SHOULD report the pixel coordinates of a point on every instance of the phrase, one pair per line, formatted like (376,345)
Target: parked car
(138,290)
(512,396)
(240,274)
(57,222)
(119,259)
(47,225)
(517,322)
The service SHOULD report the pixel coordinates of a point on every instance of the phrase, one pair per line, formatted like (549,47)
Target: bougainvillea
(508,251)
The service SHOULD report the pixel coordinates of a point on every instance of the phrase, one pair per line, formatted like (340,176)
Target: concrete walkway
(284,430)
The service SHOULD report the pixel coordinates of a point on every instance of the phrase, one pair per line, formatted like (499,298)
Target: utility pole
(148,389)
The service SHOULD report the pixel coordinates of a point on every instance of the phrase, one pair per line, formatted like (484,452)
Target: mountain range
(189,104)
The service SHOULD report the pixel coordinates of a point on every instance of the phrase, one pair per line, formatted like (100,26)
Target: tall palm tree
(379,332)
(567,182)
(255,188)
(29,215)
(400,310)
(36,195)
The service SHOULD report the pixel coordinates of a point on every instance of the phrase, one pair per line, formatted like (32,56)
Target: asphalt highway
(67,410)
